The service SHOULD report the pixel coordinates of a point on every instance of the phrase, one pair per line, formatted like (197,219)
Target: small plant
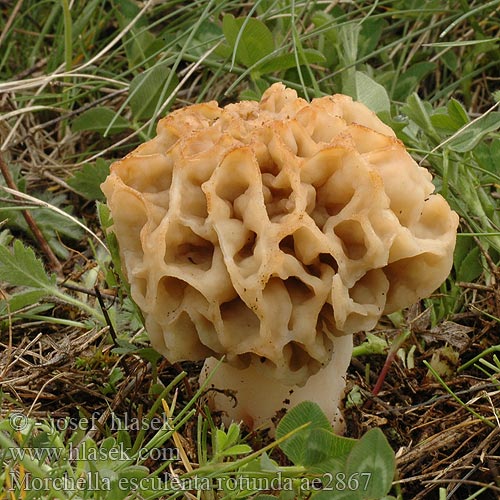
(20,267)
(337,466)
(43,460)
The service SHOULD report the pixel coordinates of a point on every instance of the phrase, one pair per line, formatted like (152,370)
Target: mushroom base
(251,397)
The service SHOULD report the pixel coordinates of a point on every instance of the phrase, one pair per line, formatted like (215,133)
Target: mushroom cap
(262,230)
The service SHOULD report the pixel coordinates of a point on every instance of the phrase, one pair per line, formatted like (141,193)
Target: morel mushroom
(268,233)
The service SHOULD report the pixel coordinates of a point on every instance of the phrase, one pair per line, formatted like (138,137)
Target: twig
(112,331)
(81,289)
(9,22)
(475,286)
(54,263)
(398,341)
(29,71)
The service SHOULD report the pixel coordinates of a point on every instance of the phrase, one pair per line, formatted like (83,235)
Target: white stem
(252,397)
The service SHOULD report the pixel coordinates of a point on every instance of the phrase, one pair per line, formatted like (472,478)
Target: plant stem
(53,261)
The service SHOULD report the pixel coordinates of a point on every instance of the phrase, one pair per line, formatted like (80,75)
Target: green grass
(83,83)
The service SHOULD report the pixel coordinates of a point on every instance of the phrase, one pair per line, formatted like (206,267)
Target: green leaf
(23,268)
(220,440)
(305,412)
(451,61)
(325,450)
(88,179)
(316,443)
(128,10)
(26,298)
(373,459)
(233,434)
(104,215)
(470,137)
(266,464)
(98,120)
(371,31)
(34,310)
(347,52)
(470,266)
(348,42)
(134,471)
(54,226)
(207,35)
(371,93)
(328,25)
(124,347)
(287,494)
(451,118)
(372,345)
(5,238)
(463,246)
(286,61)
(487,156)
(150,354)
(237,449)
(443,122)
(150,89)
(115,376)
(106,222)
(139,43)
(419,111)
(250,39)
(457,113)
(408,81)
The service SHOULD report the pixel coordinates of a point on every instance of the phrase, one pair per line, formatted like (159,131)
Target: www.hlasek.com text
(91,453)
